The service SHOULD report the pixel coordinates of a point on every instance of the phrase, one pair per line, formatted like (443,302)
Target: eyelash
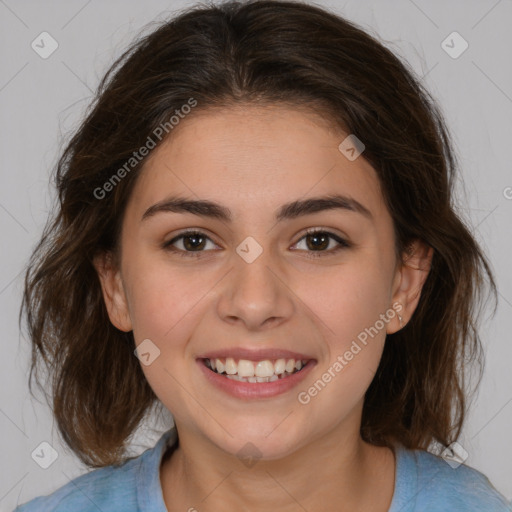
(343,244)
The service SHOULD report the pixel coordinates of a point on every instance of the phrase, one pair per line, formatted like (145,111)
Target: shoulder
(432,484)
(128,487)
(109,489)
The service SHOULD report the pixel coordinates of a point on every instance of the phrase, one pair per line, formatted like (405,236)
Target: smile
(244,370)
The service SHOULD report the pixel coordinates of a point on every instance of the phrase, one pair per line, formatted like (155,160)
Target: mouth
(255,372)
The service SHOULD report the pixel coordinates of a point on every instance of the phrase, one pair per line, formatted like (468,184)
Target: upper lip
(254,355)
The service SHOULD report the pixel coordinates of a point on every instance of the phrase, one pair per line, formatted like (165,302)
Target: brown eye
(190,241)
(193,242)
(318,241)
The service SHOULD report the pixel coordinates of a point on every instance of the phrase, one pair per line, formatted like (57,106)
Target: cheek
(164,304)
(161,297)
(355,336)
(349,301)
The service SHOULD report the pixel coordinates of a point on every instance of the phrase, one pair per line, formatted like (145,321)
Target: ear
(113,291)
(409,280)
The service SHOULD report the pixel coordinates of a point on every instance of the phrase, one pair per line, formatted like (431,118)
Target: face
(253,284)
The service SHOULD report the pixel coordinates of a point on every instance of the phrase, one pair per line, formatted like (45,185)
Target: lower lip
(250,390)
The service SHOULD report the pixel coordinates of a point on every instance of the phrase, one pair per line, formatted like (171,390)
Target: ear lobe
(412,276)
(113,291)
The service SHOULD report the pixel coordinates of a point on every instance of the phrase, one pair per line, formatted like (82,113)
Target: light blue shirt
(423,483)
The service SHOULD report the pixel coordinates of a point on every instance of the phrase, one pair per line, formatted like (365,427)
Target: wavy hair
(260,52)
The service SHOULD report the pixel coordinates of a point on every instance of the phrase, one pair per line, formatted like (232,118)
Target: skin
(253,159)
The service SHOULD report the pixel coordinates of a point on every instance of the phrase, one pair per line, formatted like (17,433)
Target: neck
(332,472)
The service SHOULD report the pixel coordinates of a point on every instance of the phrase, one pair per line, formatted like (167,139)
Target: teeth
(246,368)
(290,365)
(257,379)
(231,367)
(260,371)
(220,366)
(263,369)
(279,366)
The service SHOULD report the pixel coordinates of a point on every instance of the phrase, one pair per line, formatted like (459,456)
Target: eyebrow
(291,210)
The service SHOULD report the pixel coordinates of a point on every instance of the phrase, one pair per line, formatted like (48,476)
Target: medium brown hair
(260,52)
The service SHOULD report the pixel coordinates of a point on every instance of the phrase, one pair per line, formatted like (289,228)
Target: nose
(256,295)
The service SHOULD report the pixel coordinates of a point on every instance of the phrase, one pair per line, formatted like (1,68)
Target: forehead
(255,158)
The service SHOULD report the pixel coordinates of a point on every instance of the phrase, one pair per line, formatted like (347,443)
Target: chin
(261,440)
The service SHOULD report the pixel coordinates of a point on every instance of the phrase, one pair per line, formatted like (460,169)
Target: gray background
(41,100)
